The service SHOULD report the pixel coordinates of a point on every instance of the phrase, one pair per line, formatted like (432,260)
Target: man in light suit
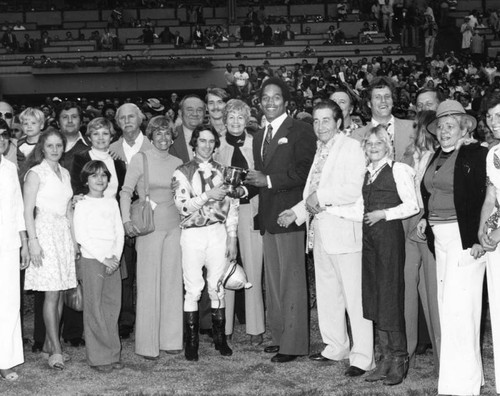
(332,190)
(129,118)
(283,152)
(381,101)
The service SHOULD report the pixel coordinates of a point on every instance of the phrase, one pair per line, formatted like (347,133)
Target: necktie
(267,141)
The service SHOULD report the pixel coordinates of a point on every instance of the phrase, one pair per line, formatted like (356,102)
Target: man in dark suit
(283,153)
(192,111)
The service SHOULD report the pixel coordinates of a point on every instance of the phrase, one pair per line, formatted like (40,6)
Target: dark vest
(382,193)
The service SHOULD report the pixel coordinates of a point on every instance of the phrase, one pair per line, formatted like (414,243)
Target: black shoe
(272,349)
(318,357)
(381,371)
(354,371)
(218,326)
(422,348)
(124,332)
(282,358)
(207,332)
(37,347)
(76,342)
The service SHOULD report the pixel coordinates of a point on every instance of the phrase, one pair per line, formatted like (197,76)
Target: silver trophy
(233,178)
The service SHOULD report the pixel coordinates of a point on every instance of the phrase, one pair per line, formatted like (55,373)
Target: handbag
(73,298)
(141,212)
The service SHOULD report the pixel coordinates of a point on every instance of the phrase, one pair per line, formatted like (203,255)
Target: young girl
(99,231)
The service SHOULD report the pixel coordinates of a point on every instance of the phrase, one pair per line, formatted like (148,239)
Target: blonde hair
(32,112)
(381,132)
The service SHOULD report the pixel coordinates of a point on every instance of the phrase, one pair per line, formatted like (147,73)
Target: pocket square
(283,140)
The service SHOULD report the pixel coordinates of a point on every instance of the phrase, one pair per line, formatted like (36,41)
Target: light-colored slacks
(203,247)
(102,295)
(338,289)
(11,345)
(158,323)
(460,287)
(250,245)
(493,279)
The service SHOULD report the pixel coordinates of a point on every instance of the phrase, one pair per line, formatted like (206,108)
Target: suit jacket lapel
(280,133)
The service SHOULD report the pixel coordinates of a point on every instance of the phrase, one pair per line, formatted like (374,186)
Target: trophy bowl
(234,177)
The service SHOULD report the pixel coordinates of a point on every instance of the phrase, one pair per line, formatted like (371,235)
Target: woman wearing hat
(453,190)
(489,231)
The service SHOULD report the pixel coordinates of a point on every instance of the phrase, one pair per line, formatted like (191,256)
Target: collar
(276,123)
(138,140)
(382,162)
(376,123)
(328,145)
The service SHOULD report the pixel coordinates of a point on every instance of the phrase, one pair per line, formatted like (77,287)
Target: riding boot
(192,321)
(218,330)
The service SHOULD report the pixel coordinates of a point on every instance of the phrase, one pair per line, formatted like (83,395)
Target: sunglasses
(7,116)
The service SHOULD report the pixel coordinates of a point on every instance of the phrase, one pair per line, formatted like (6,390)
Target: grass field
(248,372)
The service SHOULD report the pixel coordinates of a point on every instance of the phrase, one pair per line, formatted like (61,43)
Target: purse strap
(146,174)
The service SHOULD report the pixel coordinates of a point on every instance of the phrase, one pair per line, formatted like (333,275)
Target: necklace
(374,175)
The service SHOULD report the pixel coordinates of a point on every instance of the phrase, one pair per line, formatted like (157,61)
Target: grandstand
(79,66)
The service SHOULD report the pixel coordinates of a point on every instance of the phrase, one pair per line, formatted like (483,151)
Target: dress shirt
(98,228)
(390,127)
(276,124)
(129,150)
(70,145)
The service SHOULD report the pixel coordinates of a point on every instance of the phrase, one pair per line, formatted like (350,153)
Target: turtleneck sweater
(161,166)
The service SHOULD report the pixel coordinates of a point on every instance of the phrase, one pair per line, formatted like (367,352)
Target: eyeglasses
(7,116)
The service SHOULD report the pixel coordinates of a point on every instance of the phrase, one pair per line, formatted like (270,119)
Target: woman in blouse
(13,236)
(236,150)
(159,276)
(489,231)
(389,196)
(453,192)
(47,190)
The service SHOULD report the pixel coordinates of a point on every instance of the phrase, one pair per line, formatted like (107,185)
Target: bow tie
(206,168)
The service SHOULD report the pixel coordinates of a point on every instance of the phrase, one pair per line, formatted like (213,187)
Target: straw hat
(450,108)
(155,105)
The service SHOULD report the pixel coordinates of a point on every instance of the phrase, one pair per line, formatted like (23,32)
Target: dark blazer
(289,158)
(79,160)
(469,190)
(179,148)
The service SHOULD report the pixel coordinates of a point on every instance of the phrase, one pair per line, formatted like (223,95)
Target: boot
(192,321)
(380,371)
(218,330)
(398,370)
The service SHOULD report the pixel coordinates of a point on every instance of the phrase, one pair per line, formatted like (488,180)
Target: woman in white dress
(47,192)
(12,234)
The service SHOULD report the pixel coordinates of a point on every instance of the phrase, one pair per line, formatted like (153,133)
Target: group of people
(393,211)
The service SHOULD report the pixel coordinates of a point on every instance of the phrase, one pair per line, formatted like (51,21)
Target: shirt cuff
(269,184)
